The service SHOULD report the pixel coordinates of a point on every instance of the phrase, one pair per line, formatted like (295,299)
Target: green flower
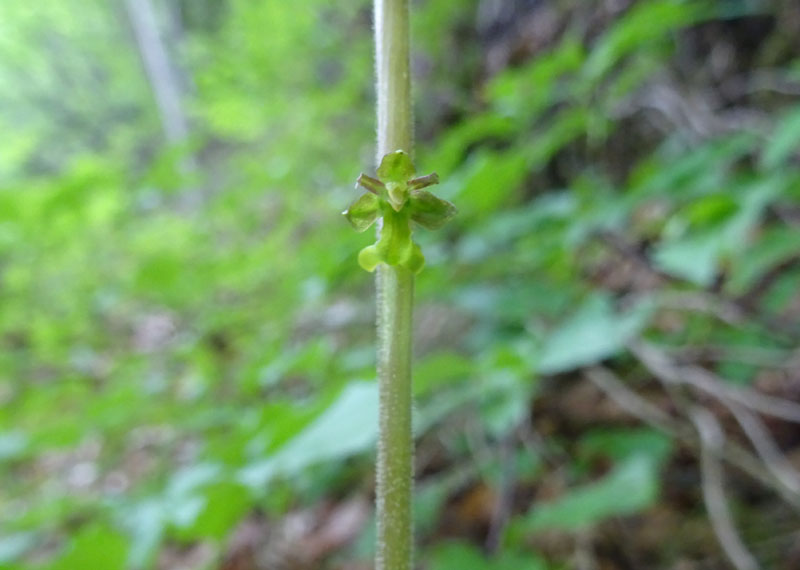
(398,198)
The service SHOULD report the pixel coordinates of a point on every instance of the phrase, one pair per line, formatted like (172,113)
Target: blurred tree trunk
(160,72)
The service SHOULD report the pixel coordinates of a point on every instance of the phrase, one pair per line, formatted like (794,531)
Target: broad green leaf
(504,402)
(187,480)
(486,180)
(631,487)
(694,259)
(465,556)
(774,245)
(347,427)
(459,555)
(439,369)
(710,210)
(697,256)
(13,444)
(12,546)
(94,547)
(146,523)
(784,141)
(645,23)
(453,144)
(593,333)
(560,130)
(505,560)
(673,172)
(223,505)
(524,92)
(620,444)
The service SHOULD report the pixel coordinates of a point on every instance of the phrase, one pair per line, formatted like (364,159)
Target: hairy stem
(395,287)
(395,446)
(393,82)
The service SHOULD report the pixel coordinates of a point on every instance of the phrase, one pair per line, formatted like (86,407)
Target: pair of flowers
(398,198)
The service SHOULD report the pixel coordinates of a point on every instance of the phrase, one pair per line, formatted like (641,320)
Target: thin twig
(751,424)
(653,416)
(660,365)
(764,357)
(630,401)
(749,300)
(766,447)
(698,301)
(712,440)
(584,551)
(502,509)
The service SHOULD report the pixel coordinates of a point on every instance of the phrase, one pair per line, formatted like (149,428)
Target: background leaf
(593,333)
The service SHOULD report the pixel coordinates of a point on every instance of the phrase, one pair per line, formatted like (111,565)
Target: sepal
(429,211)
(396,167)
(363,212)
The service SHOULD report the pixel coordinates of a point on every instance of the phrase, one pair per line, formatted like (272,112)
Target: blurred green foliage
(184,345)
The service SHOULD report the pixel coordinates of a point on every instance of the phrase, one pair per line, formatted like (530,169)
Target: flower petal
(423,181)
(369,183)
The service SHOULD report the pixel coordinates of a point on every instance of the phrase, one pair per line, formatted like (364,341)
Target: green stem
(395,445)
(395,287)
(393,82)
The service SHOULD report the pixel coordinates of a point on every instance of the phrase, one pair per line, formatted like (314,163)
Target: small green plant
(397,198)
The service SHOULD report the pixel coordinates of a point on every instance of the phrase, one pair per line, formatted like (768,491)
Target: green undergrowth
(171,364)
